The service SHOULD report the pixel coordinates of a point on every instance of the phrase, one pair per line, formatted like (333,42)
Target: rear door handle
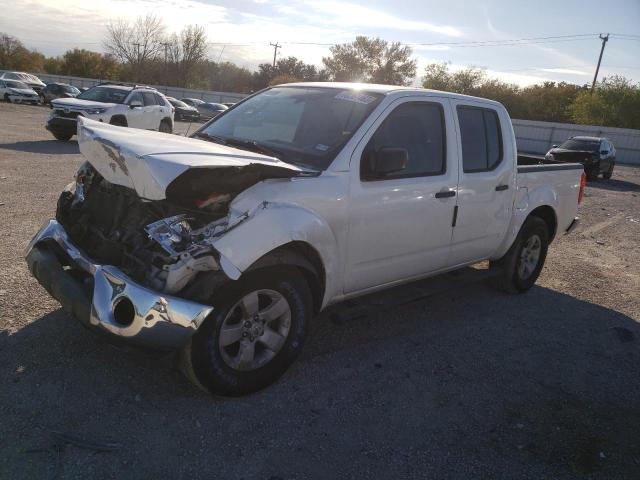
(446,194)
(502,188)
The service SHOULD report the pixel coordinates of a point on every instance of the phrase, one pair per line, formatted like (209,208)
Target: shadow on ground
(465,384)
(614,184)
(47,147)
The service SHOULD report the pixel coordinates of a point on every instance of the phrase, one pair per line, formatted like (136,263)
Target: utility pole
(605,39)
(166,64)
(275,46)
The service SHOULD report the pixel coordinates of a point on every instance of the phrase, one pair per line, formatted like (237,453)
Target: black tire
(119,122)
(609,173)
(6,98)
(511,278)
(202,359)
(165,126)
(592,172)
(62,138)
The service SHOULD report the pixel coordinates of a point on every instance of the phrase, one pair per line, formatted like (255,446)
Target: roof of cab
(386,89)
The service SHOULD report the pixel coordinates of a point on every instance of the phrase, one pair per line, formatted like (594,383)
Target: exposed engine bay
(157,243)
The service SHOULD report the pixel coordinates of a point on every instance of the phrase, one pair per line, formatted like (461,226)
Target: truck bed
(537,163)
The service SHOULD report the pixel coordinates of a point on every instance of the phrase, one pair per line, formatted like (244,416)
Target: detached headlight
(96,111)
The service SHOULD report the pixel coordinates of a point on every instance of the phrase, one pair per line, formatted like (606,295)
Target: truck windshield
(104,95)
(581,145)
(304,125)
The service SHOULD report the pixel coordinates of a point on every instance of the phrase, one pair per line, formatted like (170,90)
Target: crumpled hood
(152,163)
(78,104)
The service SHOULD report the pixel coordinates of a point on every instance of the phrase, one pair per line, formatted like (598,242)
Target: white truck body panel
(369,235)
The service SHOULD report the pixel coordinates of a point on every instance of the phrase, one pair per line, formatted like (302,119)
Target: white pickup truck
(227,244)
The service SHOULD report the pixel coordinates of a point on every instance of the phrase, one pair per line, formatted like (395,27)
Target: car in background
(183,111)
(211,110)
(58,90)
(207,110)
(597,154)
(123,105)
(15,91)
(31,81)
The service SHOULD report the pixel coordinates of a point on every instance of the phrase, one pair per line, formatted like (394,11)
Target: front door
(400,224)
(135,115)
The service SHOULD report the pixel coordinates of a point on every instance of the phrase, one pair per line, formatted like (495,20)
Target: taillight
(583,185)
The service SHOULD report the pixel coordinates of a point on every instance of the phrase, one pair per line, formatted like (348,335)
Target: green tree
(15,56)
(290,68)
(84,63)
(615,102)
(371,60)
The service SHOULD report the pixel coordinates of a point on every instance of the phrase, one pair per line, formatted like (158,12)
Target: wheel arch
(119,120)
(548,214)
(303,257)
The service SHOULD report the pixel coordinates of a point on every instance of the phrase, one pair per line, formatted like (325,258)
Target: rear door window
(149,99)
(481,138)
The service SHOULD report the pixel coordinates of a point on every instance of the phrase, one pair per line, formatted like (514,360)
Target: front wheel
(256,331)
(608,174)
(521,265)
(6,98)
(62,138)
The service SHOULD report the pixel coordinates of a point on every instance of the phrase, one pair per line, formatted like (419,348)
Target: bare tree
(135,43)
(186,51)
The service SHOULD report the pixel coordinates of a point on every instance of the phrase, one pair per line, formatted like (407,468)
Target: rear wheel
(165,126)
(521,265)
(6,98)
(257,330)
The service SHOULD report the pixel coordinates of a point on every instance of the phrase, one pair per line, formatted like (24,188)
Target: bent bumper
(104,299)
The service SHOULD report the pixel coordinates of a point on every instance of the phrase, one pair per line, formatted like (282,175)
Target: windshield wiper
(254,146)
(212,138)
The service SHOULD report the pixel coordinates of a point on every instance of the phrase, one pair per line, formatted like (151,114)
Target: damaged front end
(138,268)
(156,243)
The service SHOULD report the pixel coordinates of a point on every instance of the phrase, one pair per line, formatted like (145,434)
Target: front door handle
(446,194)
(502,188)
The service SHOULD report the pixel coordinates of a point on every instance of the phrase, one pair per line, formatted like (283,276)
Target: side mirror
(604,152)
(385,161)
(554,146)
(135,103)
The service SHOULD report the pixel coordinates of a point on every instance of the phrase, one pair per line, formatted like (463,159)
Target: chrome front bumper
(104,299)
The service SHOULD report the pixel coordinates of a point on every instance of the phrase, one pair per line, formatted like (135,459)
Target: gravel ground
(467,383)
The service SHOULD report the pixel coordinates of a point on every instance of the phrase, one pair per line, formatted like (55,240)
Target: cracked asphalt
(465,383)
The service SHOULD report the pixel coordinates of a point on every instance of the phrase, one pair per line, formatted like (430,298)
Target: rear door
(151,111)
(400,225)
(486,182)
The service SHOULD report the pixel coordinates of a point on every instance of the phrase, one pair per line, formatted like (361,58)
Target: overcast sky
(53,26)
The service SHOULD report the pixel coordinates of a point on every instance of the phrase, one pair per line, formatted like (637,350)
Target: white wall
(538,137)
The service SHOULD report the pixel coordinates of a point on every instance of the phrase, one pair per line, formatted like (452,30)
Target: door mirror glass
(387,160)
(135,103)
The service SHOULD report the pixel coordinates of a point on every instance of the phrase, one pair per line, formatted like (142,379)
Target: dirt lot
(468,383)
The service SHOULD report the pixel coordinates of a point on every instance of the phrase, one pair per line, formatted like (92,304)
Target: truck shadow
(468,379)
(47,147)
(615,185)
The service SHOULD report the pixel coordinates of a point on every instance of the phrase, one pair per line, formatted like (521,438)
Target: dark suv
(58,90)
(597,154)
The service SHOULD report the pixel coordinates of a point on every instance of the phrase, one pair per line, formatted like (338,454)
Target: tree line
(142,51)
